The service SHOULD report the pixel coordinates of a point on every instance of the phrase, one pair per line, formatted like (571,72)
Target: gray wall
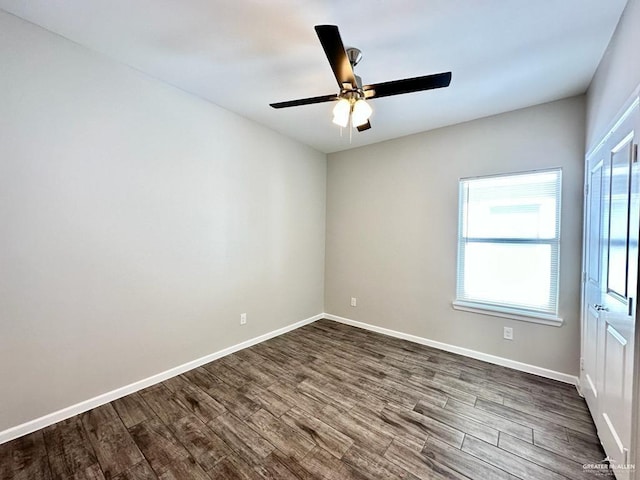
(136,223)
(617,76)
(392,224)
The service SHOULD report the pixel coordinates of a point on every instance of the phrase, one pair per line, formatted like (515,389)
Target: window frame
(495,309)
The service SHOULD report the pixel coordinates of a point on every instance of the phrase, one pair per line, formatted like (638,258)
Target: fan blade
(334,49)
(364,127)
(304,101)
(407,85)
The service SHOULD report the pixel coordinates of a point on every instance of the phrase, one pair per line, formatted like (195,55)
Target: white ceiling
(245,54)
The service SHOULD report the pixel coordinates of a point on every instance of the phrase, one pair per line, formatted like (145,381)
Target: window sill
(504,312)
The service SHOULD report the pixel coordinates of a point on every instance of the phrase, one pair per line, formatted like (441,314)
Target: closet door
(617,311)
(595,266)
(611,259)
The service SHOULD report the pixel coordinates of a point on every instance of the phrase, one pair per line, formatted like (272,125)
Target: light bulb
(361,113)
(341,112)
(342,121)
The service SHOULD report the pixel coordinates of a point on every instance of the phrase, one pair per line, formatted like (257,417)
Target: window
(508,245)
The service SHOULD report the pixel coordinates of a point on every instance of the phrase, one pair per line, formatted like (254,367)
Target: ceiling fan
(351,103)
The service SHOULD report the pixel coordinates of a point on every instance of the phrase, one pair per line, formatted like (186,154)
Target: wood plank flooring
(326,401)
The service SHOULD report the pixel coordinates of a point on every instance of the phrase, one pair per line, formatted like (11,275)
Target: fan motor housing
(354,55)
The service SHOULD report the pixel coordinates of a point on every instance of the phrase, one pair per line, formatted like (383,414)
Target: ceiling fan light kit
(351,109)
(360,113)
(351,106)
(341,112)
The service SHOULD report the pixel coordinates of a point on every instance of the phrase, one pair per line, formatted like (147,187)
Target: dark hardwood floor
(326,401)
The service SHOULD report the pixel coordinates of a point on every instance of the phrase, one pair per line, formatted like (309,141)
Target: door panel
(614,386)
(590,354)
(595,229)
(617,279)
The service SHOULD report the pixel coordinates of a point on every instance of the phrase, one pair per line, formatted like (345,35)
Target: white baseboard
(505,362)
(58,416)
(579,387)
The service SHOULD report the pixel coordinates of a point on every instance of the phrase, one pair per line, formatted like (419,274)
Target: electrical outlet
(354,302)
(243,318)
(508,333)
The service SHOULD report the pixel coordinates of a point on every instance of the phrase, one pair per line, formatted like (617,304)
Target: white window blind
(509,242)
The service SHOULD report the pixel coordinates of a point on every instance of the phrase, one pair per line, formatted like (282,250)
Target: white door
(610,288)
(594,266)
